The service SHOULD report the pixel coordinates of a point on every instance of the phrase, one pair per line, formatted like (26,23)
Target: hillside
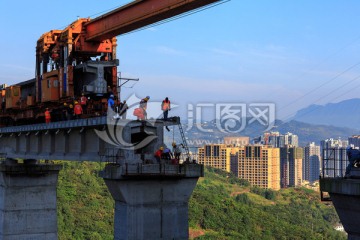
(221,207)
(224,207)
(342,114)
(307,132)
(314,133)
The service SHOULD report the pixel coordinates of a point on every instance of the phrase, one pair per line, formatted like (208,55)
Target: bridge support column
(28,200)
(153,206)
(345,195)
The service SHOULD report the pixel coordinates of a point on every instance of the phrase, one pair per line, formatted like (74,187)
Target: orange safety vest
(77,109)
(83,100)
(47,115)
(165,105)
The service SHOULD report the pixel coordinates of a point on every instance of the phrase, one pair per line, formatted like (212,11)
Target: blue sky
(291,53)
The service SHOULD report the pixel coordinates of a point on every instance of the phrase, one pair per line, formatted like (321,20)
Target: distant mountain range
(305,131)
(314,133)
(342,114)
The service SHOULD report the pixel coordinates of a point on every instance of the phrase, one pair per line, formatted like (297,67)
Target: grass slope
(221,207)
(224,207)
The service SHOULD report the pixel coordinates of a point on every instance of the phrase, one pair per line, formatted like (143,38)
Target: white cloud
(169,51)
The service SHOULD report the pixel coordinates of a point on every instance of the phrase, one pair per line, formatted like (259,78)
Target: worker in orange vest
(77,110)
(47,116)
(165,106)
(83,102)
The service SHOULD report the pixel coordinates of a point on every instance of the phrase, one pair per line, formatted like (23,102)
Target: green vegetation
(221,207)
(85,206)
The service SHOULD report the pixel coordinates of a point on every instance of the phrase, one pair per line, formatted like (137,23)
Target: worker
(167,154)
(70,111)
(83,103)
(111,102)
(176,150)
(77,110)
(47,116)
(123,110)
(158,154)
(165,107)
(64,112)
(118,106)
(143,105)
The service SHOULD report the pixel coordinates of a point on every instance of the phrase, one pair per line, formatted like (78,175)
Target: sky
(288,53)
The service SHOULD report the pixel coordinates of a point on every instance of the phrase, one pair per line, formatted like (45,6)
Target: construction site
(68,112)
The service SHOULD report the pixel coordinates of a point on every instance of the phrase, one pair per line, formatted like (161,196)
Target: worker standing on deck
(70,111)
(176,150)
(47,116)
(158,154)
(77,110)
(167,154)
(64,112)
(143,105)
(83,102)
(165,106)
(123,110)
(111,102)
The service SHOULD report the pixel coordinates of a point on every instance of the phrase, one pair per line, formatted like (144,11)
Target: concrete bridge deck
(82,139)
(151,200)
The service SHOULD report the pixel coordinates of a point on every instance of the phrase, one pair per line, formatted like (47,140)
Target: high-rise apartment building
(215,155)
(276,139)
(311,162)
(290,166)
(295,166)
(260,165)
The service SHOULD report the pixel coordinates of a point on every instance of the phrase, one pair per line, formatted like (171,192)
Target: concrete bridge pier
(28,200)
(345,195)
(151,201)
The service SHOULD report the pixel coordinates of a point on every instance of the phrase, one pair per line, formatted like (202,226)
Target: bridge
(151,198)
(342,189)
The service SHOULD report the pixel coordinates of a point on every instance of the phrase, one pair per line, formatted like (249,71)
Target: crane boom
(136,15)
